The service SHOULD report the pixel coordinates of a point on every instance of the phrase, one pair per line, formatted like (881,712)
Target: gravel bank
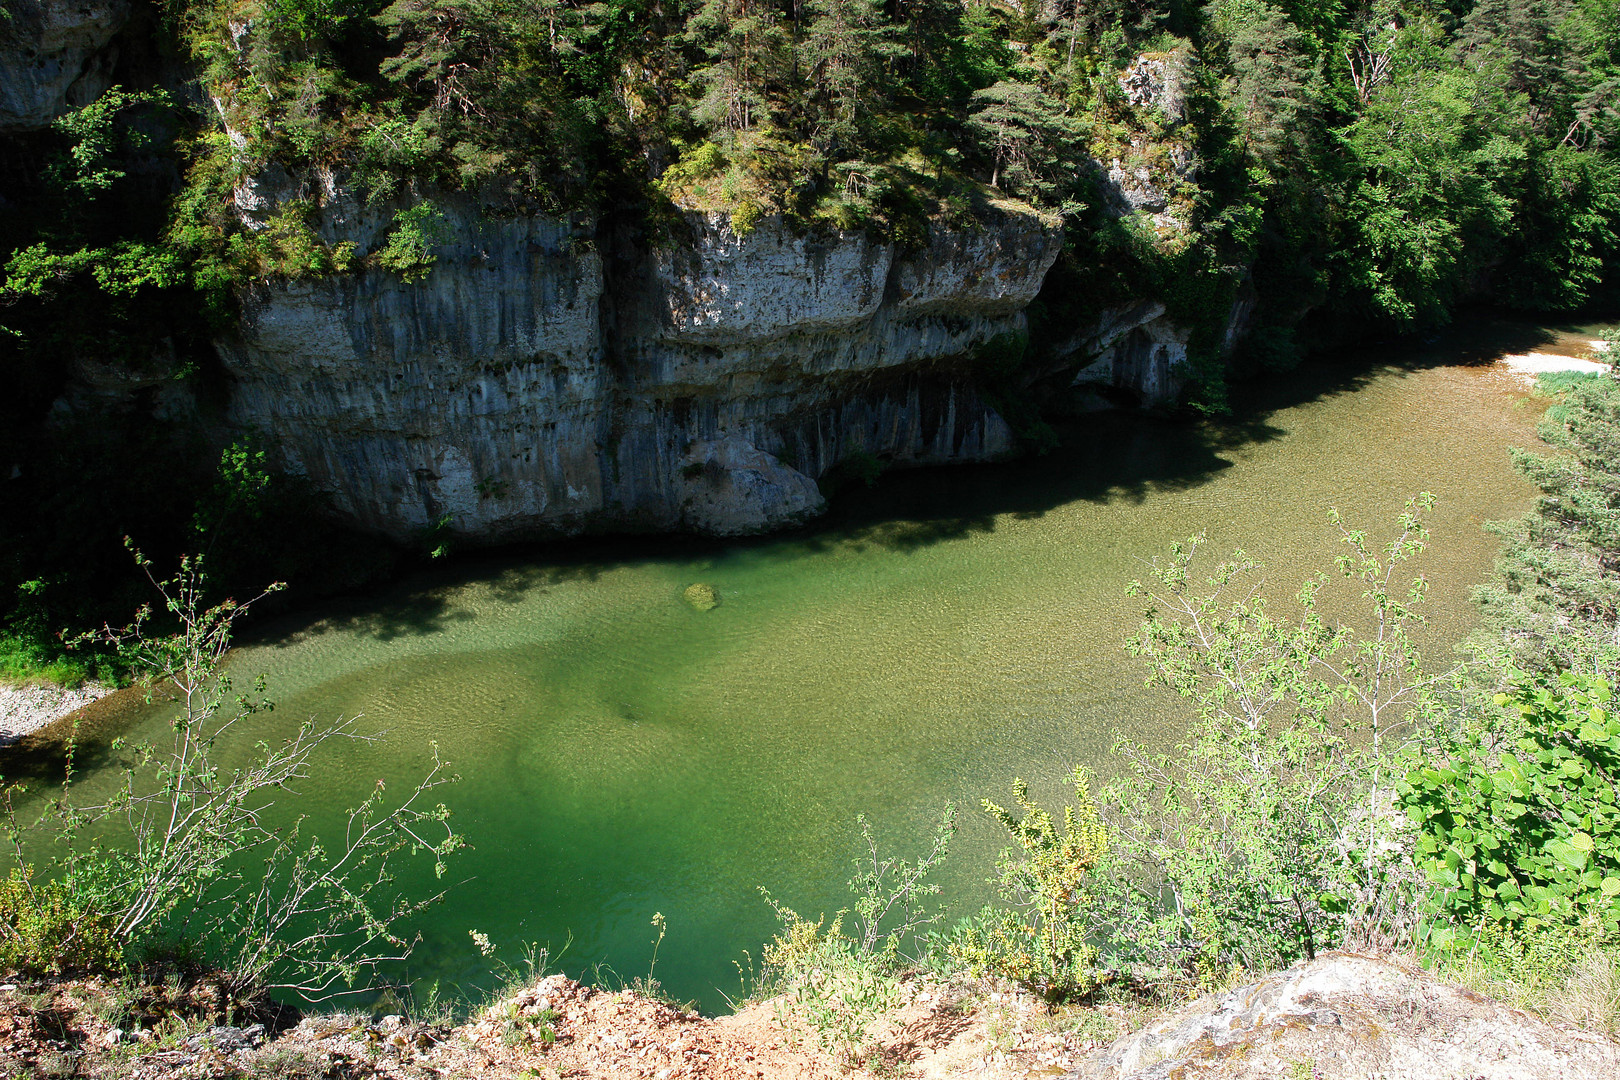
(26,709)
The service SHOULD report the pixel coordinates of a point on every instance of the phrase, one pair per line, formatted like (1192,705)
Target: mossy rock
(701,596)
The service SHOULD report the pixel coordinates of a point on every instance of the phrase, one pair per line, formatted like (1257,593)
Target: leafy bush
(1528,837)
(829,986)
(409,251)
(1040,939)
(1556,594)
(288,247)
(1272,831)
(50,927)
(838,984)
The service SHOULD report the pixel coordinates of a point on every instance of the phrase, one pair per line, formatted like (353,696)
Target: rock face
(528,386)
(1135,348)
(1150,176)
(54,55)
(1345,1016)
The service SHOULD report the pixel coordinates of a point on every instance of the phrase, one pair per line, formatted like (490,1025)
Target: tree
(186,846)
(844,57)
(1555,601)
(1273,84)
(743,44)
(1271,831)
(1034,144)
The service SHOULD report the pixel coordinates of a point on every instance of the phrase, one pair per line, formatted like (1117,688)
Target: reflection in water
(938,635)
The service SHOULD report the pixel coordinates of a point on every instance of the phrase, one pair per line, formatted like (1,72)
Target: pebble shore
(26,709)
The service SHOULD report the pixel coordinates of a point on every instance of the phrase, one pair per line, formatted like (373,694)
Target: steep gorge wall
(55,55)
(528,387)
(544,379)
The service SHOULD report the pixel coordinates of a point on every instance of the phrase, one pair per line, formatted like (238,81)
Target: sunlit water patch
(623,753)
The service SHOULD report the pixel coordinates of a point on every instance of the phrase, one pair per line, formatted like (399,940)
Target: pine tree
(1033,143)
(844,58)
(743,43)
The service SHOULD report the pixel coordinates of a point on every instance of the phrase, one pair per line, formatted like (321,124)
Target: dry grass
(1584,992)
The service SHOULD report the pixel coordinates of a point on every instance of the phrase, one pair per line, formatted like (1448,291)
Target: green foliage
(1035,145)
(1556,595)
(1040,939)
(1528,836)
(1275,80)
(836,985)
(101,139)
(829,988)
(1271,831)
(56,926)
(288,247)
(186,848)
(410,250)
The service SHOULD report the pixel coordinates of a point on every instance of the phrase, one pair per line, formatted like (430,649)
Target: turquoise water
(624,754)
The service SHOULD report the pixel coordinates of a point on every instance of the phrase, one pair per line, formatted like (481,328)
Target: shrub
(1528,837)
(409,251)
(288,247)
(1040,939)
(1272,830)
(50,927)
(191,853)
(837,984)
(695,168)
(829,986)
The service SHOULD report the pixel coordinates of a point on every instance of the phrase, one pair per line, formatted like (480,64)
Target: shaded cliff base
(1338,1017)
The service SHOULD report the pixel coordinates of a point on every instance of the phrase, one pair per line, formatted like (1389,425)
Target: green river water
(623,753)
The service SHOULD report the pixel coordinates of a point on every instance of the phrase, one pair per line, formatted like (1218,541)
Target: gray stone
(526,388)
(1354,1017)
(55,55)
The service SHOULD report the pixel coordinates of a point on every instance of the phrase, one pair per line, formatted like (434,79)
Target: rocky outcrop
(1154,175)
(55,55)
(1136,348)
(529,385)
(1344,1016)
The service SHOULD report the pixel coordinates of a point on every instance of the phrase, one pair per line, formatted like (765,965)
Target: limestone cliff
(54,55)
(533,385)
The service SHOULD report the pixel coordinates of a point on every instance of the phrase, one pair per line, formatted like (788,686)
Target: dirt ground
(1342,1016)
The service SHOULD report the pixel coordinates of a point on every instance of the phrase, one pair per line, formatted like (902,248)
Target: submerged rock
(701,596)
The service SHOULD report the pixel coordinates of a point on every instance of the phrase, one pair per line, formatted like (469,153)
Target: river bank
(1339,1017)
(25,710)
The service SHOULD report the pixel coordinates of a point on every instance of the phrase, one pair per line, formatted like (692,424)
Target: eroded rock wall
(55,55)
(528,386)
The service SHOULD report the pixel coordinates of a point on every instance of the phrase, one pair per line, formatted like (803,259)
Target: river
(624,754)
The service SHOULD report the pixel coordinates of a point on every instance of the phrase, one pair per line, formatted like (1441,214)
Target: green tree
(845,54)
(1036,148)
(744,51)
(1555,600)
(1271,831)
(1274,81)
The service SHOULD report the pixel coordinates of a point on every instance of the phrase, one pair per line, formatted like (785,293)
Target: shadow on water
(1124,457)
(1102,457)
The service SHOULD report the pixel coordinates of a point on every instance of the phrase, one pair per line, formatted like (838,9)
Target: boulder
(1344,1016)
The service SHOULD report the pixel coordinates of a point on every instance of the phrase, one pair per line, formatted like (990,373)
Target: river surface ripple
(623,753)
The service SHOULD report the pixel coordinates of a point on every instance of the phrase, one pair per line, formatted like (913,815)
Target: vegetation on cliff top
(1356,166)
